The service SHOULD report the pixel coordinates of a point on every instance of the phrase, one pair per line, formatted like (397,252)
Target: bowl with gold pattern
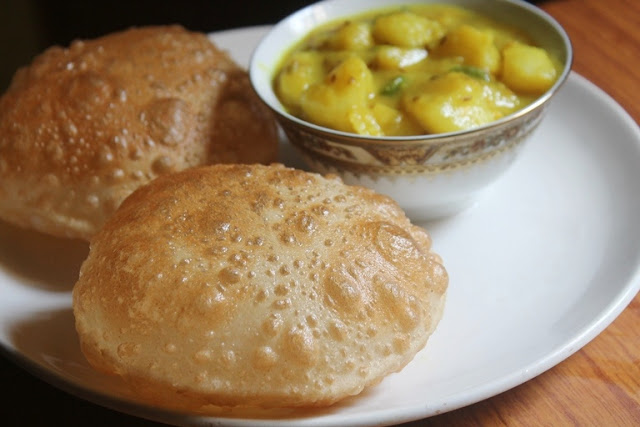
(429,102)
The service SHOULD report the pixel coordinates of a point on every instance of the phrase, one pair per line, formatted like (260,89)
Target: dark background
(29,26)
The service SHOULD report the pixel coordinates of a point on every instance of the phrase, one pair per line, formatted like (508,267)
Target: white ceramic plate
(539,266)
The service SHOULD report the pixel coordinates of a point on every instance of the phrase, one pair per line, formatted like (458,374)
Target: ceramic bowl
(430,176)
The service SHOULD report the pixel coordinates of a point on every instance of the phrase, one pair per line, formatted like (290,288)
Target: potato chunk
(527,68)
(351,36)
(456,101)
(300,72)
(406,29)
(332,102)
(398,58)
(364,121)
(476,47)
(353,76)
(393,121)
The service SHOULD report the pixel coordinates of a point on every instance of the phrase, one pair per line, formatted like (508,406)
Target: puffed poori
(82,127)
(255,285)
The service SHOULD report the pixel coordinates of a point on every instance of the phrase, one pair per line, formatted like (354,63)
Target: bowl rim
(349,137)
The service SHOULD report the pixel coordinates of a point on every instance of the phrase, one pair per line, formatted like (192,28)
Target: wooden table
(597,386)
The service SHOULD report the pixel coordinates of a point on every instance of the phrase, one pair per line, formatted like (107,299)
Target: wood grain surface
(600,384)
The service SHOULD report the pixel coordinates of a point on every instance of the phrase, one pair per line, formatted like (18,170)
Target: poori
(82,127)
(253,285)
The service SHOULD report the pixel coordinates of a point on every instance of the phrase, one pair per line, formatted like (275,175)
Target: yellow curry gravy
(419,69)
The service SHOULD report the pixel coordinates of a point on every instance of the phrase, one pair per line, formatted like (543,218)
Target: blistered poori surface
(255,285)
(82,127)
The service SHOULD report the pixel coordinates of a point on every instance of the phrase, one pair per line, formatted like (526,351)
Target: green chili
(471,71)
(393,86)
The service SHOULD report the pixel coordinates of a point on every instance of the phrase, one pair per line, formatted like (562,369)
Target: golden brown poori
(256,285)
(82,127)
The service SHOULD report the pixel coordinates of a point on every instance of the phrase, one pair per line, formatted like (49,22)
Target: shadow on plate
(40,260)
(49,339)
(51,350)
